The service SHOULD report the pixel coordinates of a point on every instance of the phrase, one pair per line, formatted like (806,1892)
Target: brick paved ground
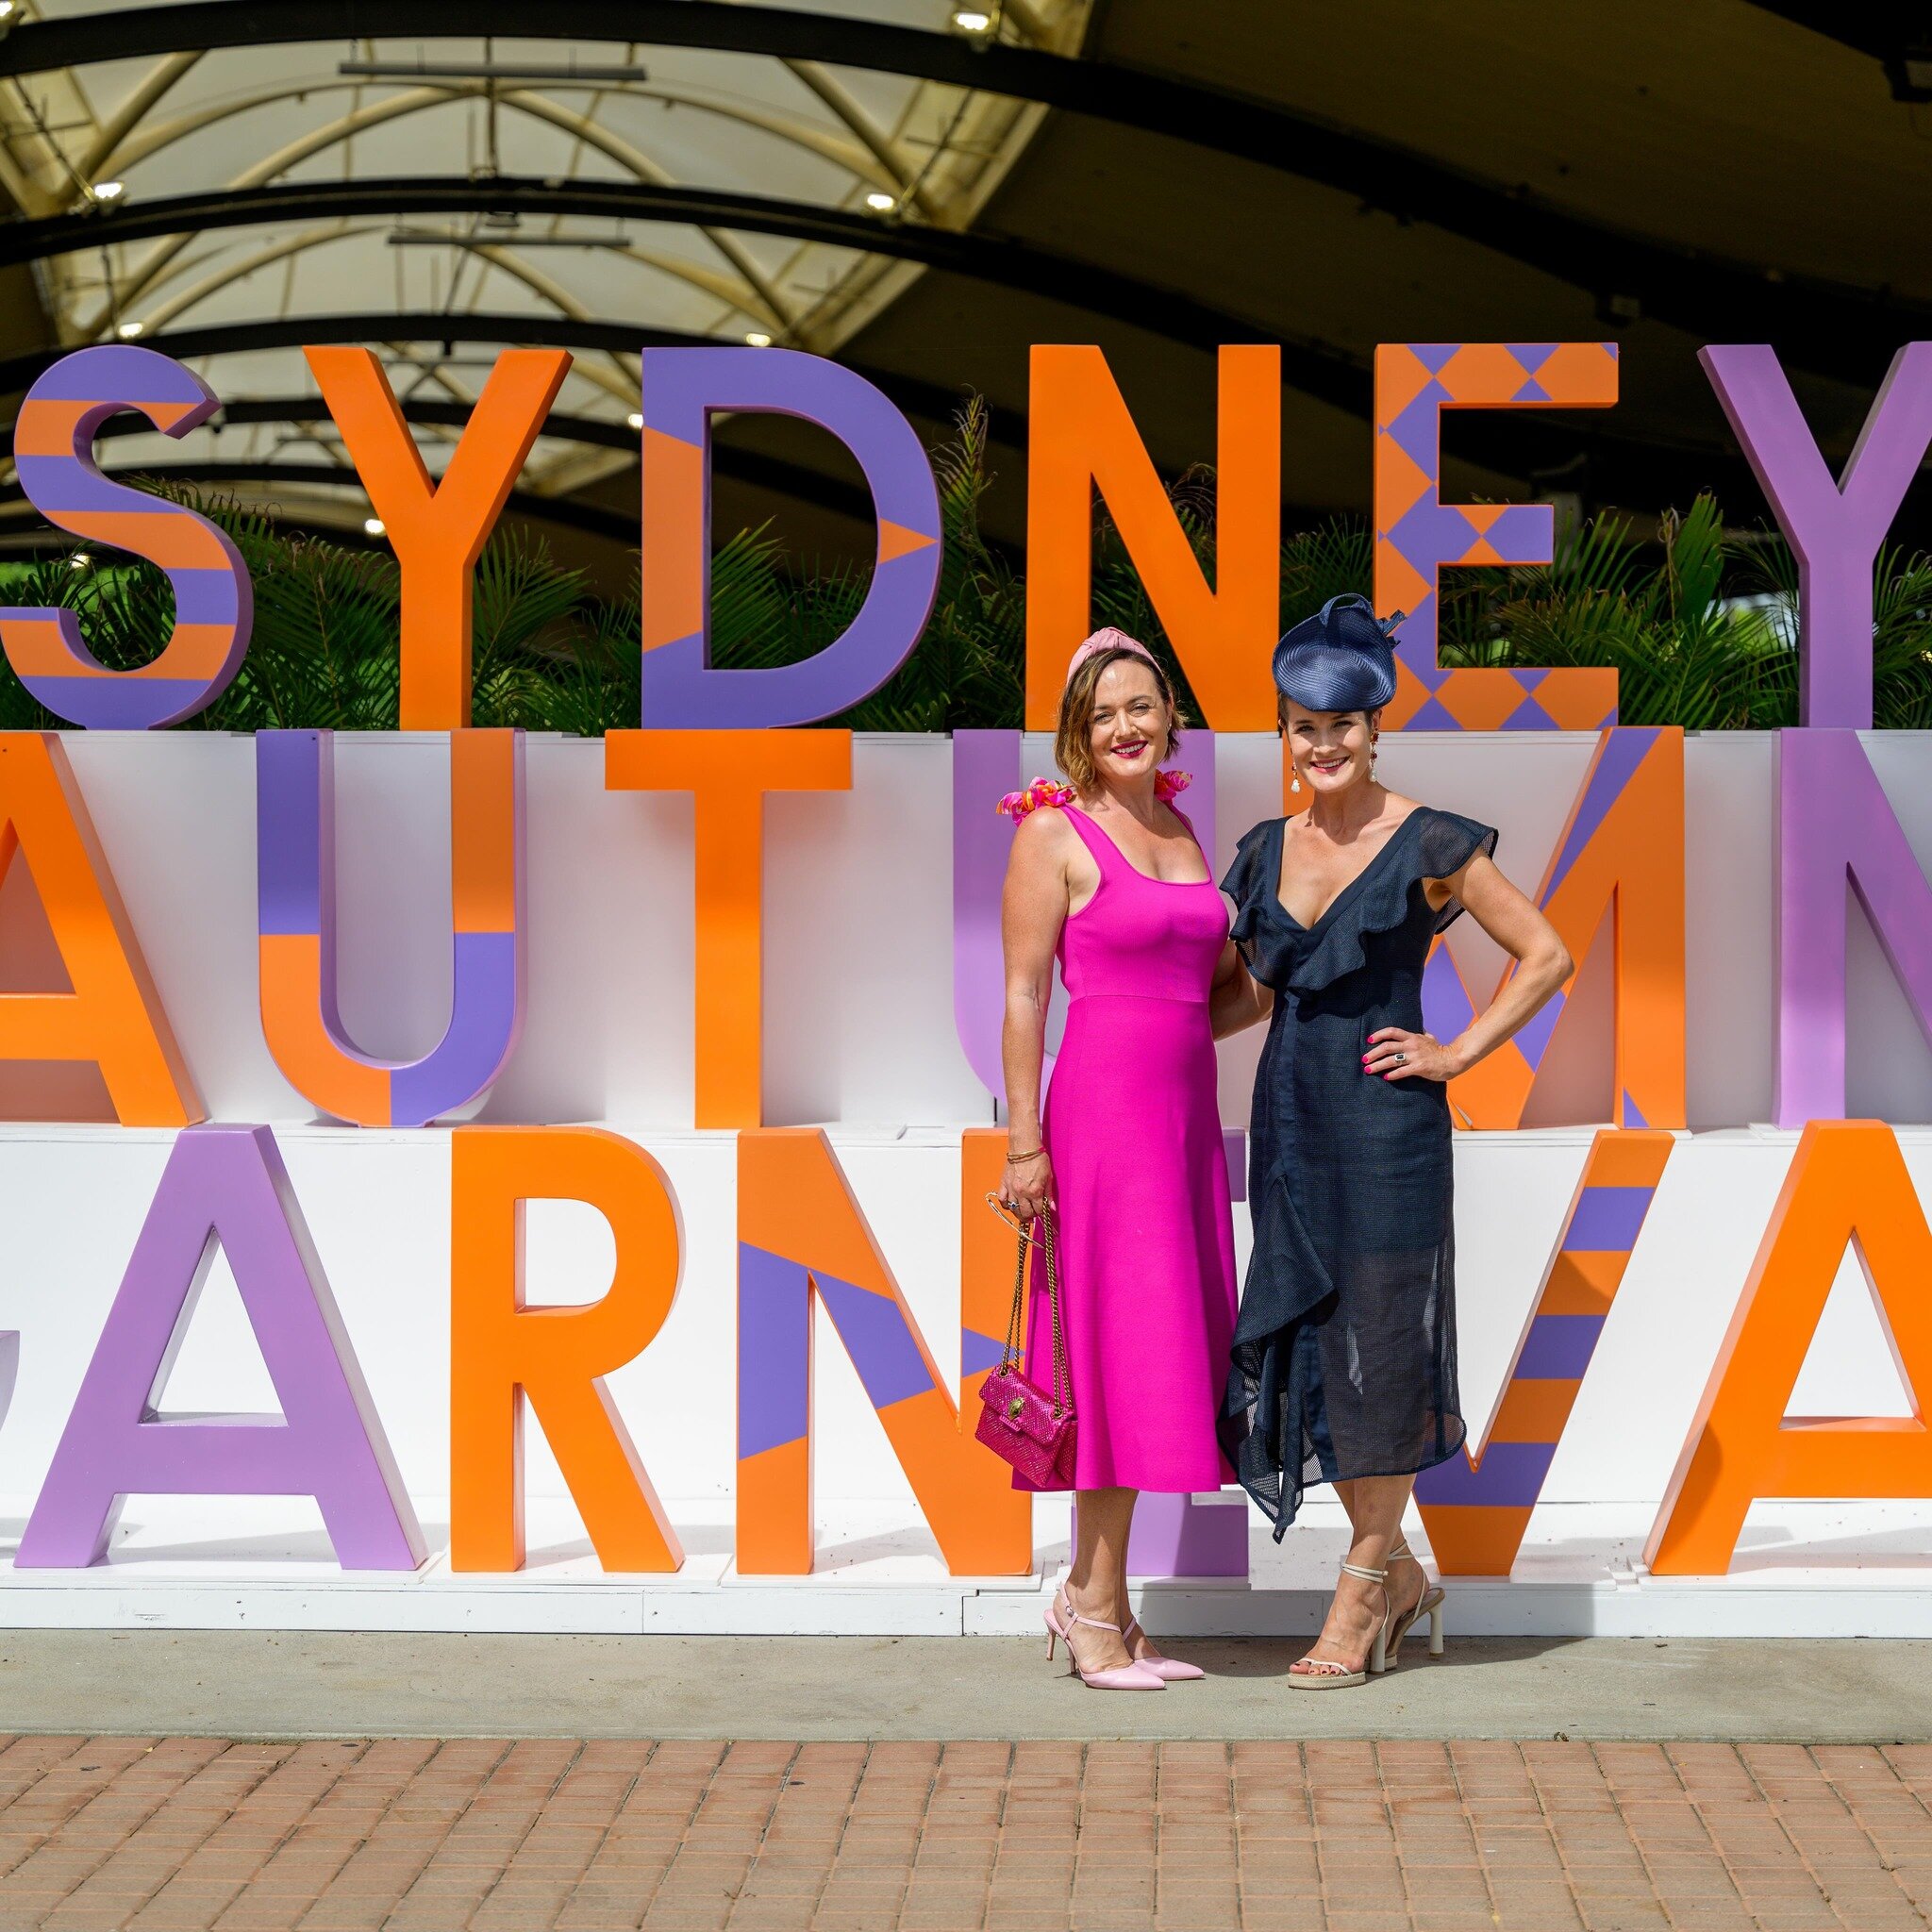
(187,1833)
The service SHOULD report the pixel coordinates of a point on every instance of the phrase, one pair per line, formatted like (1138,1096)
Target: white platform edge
(1478,1606)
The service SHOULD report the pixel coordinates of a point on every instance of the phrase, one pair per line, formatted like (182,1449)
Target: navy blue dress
(1344,1354)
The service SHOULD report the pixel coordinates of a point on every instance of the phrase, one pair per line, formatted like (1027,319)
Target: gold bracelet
(1033,1155)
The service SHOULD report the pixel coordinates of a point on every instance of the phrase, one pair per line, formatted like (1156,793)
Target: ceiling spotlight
(128,331)
(110,190)
(636,419)
(6,10)
(880,202)
(759,339)
(970,20)
(373,526)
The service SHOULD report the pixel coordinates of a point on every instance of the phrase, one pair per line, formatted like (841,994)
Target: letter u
(295,799)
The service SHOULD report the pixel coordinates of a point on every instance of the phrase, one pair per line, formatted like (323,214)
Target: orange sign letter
(500,1351)
(1847,1183)
(113,1016)
(1082,435)
(438,530)
(729,771)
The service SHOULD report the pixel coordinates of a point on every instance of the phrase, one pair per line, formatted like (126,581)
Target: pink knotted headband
(1107,640)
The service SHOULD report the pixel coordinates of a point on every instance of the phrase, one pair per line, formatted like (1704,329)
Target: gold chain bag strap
(1020,1421)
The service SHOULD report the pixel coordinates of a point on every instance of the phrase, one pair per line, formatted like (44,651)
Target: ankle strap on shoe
(1091,1622)
(1366,1575)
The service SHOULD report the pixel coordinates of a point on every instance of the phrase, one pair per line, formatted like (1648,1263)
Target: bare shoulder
(1044,847)
(1044,834)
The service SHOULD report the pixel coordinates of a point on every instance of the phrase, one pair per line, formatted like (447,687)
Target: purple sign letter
(1836,529)
(682,390)
(224,1185)
(1834,822)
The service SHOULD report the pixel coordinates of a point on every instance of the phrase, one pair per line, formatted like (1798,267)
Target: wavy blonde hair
(1072,738)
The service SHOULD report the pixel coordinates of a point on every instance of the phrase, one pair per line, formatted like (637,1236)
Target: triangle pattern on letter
(896,540)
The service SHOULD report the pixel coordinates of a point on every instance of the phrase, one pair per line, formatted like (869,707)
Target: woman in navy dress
(1344,1355)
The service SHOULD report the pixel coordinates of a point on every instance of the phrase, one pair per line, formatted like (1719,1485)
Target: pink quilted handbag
(1021,1423)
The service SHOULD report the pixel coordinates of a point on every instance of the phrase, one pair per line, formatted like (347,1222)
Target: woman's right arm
(1033,908)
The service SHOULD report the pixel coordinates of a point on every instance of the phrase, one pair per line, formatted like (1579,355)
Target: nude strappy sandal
(1431,1602)
(1324,1675)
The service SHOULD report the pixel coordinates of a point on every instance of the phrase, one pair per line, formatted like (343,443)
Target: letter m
(1617,876)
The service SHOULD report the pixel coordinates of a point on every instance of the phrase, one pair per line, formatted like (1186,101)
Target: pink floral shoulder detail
(1019,805)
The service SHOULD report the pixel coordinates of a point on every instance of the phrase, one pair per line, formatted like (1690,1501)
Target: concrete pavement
(294,1685)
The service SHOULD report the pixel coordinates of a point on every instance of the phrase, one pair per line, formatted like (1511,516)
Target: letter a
(1847,1183)
(224,1185)
(113,1016)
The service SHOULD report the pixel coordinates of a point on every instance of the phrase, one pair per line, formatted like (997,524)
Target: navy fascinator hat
(1339,659)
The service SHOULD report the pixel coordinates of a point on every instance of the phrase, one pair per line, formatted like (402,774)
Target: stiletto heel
(1129,1676)
(1431,1602)
(1324,1675)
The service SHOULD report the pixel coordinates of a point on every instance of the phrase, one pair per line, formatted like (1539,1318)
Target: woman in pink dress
(1110,881)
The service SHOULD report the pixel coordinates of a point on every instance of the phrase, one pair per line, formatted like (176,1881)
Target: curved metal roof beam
(1319,369)
(709,281)
(902,176)
(624,384)
(134,109)
(775,307)
(160,314)
(22,188)
(1828,327)
(264,170)
(849,155)
(415,101)
(769,306)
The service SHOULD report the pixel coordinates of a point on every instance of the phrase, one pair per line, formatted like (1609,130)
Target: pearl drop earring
(1295,784)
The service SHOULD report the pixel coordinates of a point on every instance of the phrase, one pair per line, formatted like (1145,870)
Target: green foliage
(1687,645)
(1699,622)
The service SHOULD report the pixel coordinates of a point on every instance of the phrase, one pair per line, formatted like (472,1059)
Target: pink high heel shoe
(1121,1677)
(1169,1669)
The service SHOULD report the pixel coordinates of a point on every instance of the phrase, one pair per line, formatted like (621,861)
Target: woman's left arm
(1236,999)
(1543,961)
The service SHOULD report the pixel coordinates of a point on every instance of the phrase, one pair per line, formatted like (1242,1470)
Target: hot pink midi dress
(1145,1232)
